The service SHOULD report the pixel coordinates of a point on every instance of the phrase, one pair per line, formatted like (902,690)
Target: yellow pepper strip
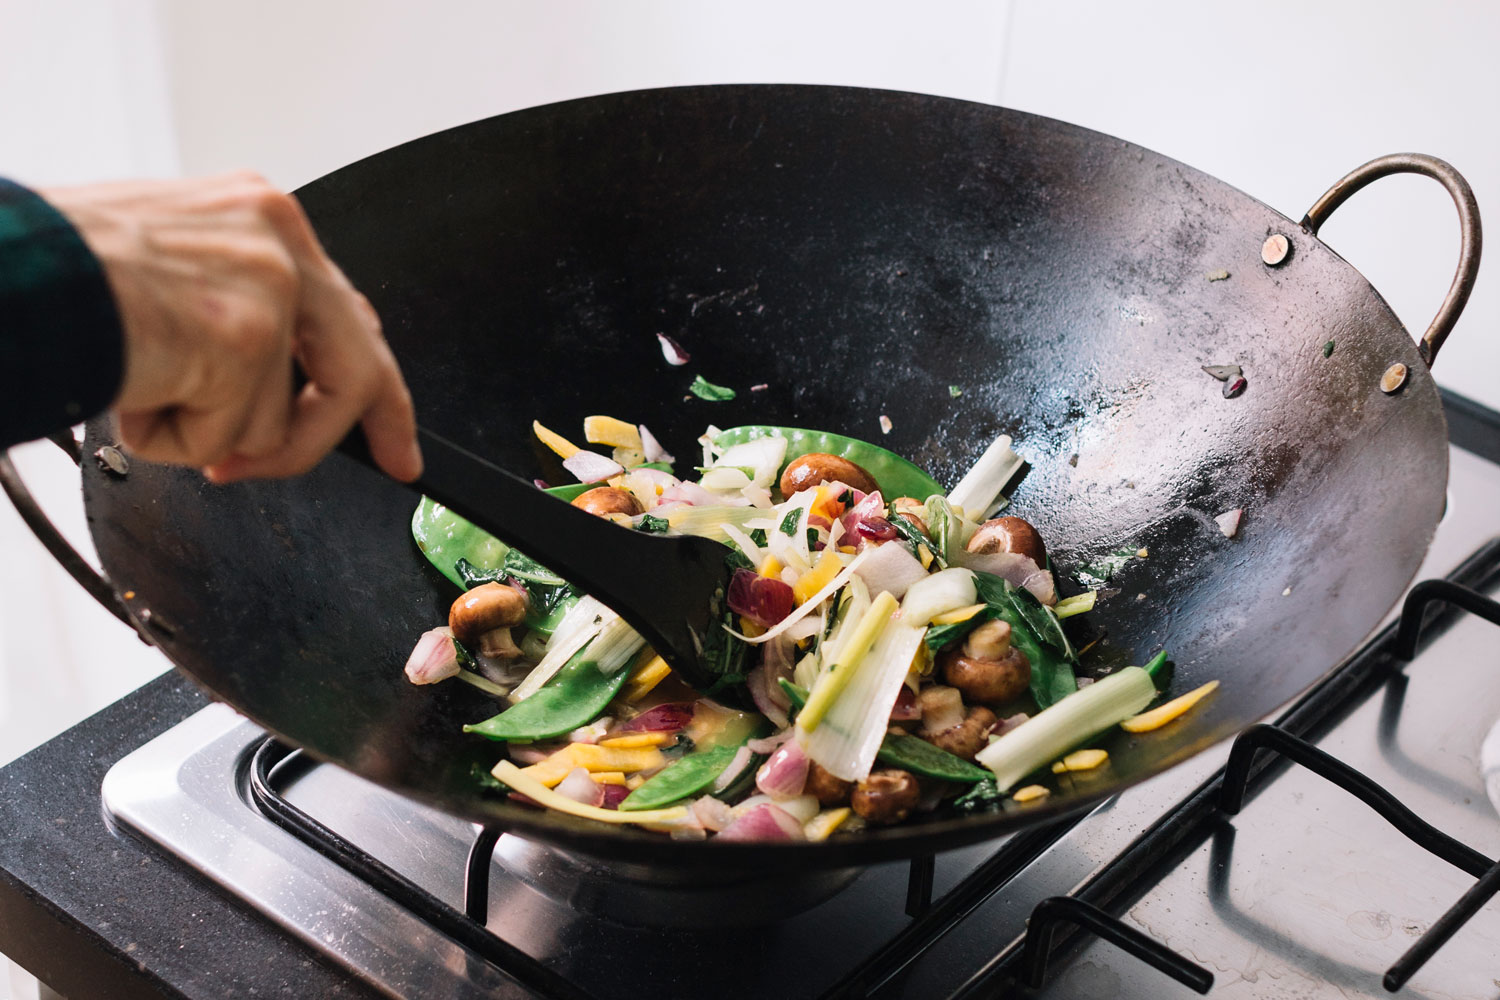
(1080,760)
(1077,604)
(651,672)
(609,778)
(1031,793)
(554,440)
(847,550)
(610,431)
(833,680)
(959,615)
(635,781)
(771,568)
(593,758)
(1163,714)
(925,554)
(634,741)
(750,628)
(828,566)
(513,776)
(824,823)
(827,503)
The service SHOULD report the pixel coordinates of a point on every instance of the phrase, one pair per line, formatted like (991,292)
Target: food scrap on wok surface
(890,650)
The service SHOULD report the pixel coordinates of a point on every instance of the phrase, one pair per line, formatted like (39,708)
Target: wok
(857,252)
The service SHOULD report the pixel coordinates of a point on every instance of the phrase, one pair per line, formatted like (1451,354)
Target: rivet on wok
(112,460)
(1275,249)
(1394,378)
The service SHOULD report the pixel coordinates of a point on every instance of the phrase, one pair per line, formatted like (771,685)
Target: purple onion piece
(760,599)
(671,717)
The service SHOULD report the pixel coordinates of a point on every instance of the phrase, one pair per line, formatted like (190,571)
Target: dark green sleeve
(61,356)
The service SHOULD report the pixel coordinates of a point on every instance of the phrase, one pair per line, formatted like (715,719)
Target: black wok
(858,252)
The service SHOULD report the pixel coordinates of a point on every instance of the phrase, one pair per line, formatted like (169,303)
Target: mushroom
(987,667)
(607,500)
(829,789)
(886,796)
(912,511)
(968,737)
(818,467)
(1009,534)
(484,616)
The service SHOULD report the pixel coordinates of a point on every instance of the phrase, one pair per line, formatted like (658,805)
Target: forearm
(61,356)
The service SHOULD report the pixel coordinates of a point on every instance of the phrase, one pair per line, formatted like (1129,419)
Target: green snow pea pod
(445,538)
(681,778)
(573,697)
(897,477)
(916,755)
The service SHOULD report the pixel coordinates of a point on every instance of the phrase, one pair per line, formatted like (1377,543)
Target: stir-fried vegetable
(895,644)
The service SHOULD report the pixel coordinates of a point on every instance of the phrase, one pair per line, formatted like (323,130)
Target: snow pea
(897,477)
(681,778)
(911,753)
(573,697)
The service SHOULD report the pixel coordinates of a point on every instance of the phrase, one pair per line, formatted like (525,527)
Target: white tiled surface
(1279,98)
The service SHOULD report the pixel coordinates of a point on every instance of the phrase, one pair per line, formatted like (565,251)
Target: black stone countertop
(97,914)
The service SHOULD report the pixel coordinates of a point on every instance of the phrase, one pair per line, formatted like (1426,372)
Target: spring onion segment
(1076,605)
(845,663)
(849,737)
(978,492)
(938,594)
(1075,719)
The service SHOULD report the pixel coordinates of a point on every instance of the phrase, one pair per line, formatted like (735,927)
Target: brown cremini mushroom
(991,681)
(968,737)
(1009,534)
(886,796)
(607,500)
(816,467)
(487,607)
(825,787)
(912,511)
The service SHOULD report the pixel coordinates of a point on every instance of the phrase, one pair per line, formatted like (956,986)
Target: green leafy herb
(1052,676)
(485,780)
(955,391)
(523,567)
(985,796)
(653,525)
(704,389)
(940,637)
(812,539)
(1099,572)
(1328,349)
(758,536)
(790,522)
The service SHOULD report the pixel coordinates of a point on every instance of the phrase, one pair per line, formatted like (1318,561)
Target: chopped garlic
(1031,793)
(1080,760)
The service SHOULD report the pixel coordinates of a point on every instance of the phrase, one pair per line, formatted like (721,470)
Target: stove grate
(1185,827)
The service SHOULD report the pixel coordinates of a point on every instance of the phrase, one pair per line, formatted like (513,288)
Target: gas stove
(167,847)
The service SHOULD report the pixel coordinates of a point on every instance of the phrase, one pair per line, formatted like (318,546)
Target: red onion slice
(652,448)
(737,763)
(669,717)
(579,787)
(672,350)
(1019,570)
(712,814)
(906,708)
(592,467)
(434,659)
(785,774)
(770,743)
(1229,521)
(613,796)
(761,599)
(764,823)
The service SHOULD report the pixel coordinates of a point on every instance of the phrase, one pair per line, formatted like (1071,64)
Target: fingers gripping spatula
(670,589)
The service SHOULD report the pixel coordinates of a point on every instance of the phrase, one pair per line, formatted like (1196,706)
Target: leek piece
(1076,605)
(851,736)
(842,669)
(511,775)
(485,684)
(1075,719)
(578,629)
(709,520)
(979,490)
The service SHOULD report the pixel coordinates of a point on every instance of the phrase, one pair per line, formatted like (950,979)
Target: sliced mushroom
(487,607)
(993,682)
(886,796)
(817,467)
(968,737)
(1009,534)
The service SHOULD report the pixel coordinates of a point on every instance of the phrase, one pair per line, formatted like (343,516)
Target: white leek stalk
(844,665)
(708,521)
(938,594)
(979,490)
(760,459)
(575,631)
(614,646)
(846,741)
(1075,719)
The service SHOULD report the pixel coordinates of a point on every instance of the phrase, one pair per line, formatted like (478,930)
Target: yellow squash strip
(1163,714)
(651,672)
(818,577)
(771,568)
(925,554)
(609,778)
(959,614)
(593,758)
(554,440)
(635,781)
(513,776)
(1031,793)
(1077,604)
(608,430)
(824,823)
(1080,760)
(750,628)
(633,741)
(833,680)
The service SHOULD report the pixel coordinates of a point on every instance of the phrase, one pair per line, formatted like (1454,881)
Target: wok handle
(1470,234)
(46,532)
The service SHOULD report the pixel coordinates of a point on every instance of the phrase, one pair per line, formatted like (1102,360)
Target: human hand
(221,285)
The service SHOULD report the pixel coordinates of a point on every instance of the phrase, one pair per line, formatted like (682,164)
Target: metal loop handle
(46,532)
(1470,234)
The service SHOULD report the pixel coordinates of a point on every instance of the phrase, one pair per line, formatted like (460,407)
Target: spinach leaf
(704,389)
(985,796)
(790,522)
(653,525)
(1052,677)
